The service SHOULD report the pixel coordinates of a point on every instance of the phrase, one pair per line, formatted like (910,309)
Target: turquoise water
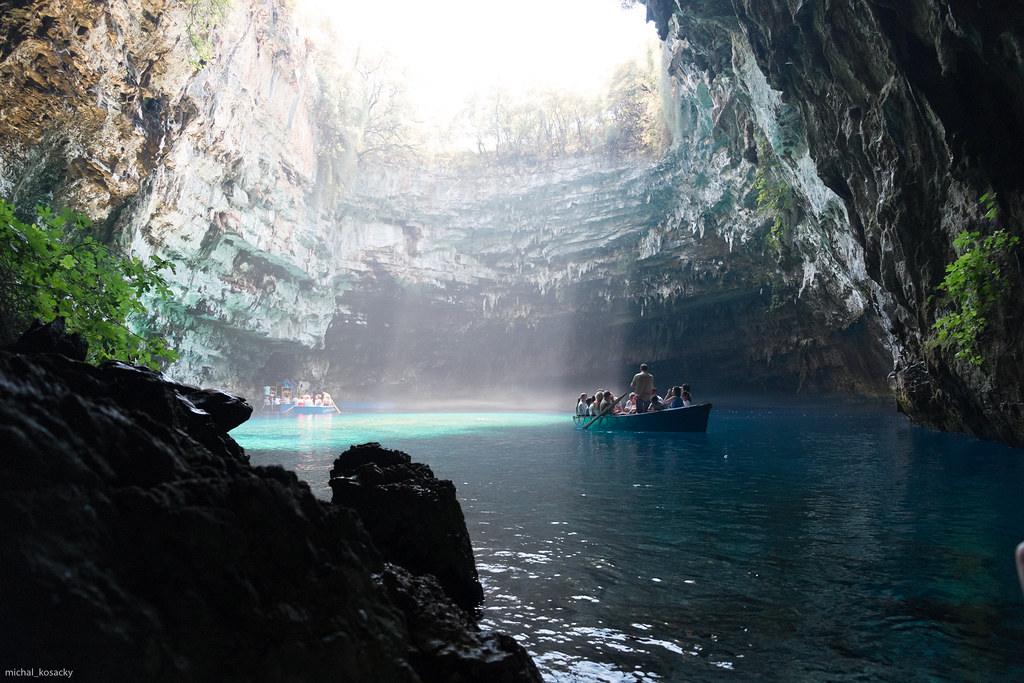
(308,444)
(795,544)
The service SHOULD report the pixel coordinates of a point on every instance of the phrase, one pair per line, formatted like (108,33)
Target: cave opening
(559,220)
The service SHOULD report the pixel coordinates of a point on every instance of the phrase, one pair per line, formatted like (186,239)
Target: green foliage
(633,110)
(778,296)
(366,116)
(204,16)
(976,284)
(53,268)
(363,114)
(536,127)
(382,111)
(988,202)
(335,139)
(774,195)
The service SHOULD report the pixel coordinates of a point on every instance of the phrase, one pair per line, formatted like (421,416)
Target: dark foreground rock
(137,543)
(414,518)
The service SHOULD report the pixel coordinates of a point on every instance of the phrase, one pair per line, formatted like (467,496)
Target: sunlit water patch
(308,444)
(797,544)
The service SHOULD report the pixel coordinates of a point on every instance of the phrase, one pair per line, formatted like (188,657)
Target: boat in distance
(296,409)
(689,419)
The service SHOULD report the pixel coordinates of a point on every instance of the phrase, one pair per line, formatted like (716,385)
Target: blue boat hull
(689,419)
(307,410)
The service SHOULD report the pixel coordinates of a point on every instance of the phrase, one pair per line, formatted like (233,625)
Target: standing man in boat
(643,385)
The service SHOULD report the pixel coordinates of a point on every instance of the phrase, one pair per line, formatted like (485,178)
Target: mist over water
(793,542)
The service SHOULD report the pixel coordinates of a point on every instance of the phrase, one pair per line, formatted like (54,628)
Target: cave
(810,211)
(878,129)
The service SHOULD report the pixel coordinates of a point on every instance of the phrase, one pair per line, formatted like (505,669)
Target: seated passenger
(676,398)
(687,399)
(656,402)
(630,407)
(592,407)
(581,404)
(610,405)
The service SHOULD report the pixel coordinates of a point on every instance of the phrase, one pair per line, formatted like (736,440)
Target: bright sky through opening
(451,48)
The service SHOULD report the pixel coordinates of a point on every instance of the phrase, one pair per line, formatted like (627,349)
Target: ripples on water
(789,544)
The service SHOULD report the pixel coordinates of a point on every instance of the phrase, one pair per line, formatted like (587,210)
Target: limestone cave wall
(909,113)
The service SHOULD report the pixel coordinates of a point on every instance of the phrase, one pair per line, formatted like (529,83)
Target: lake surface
(791,544)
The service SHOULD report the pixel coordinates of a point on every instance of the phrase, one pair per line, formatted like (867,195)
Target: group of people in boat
(642,398)
(272,397)
(323,399)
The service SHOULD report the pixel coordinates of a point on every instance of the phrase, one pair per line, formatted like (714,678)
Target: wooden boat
(689,419)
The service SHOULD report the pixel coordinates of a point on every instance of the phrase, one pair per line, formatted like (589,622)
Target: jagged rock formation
(139,544)
(414,518)
(887,125)
(909,113)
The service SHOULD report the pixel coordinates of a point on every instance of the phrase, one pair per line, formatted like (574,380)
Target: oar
(289,408)
(604,411)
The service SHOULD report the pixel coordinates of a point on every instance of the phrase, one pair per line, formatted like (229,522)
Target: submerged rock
(139,544)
